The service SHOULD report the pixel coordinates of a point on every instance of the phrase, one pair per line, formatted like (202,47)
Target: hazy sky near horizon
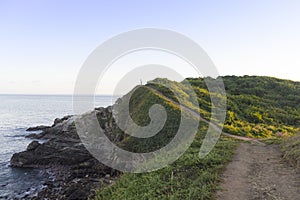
(45,42)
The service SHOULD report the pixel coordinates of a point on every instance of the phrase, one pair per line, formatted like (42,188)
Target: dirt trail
(197,114)
(258,172)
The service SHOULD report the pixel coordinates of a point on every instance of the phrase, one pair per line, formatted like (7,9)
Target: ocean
(17,113)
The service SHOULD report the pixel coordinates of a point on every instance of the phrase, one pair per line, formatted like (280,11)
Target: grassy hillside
(291,149)
(257,107)
(262,106)
(188,178)
(141,101)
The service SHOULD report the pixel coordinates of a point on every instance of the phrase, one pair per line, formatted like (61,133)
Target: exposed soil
(258,171)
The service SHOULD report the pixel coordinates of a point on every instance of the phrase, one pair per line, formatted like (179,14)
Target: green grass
(260,107)
(257,106)
(291,149)
(188,178)
(270,141)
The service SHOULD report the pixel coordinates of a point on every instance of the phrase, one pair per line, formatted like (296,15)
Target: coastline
(73,172)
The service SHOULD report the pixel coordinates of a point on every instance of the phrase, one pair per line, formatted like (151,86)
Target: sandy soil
(258,171)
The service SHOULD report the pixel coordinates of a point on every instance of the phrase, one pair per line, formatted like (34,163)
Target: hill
(260,107)
(256,106)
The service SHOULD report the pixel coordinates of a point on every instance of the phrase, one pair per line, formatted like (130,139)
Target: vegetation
(256,106)
(261,107)
(188,178)
(140,102)
(291,149)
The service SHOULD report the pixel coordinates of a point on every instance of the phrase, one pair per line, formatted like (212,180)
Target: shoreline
(73,171)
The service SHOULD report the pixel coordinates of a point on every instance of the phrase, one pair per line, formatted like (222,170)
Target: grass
(191,177)
(291,149)
(188,178)
(270,141)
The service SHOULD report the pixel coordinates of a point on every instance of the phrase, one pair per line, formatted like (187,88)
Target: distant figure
(141,82)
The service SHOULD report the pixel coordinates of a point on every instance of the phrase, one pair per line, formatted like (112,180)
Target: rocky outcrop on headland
(77,173)
(38,128)
(61,128)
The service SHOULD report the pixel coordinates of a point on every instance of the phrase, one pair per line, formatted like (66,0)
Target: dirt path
(197,114)
(258,172)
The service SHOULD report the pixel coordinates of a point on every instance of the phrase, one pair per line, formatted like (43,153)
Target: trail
(259,172)
(197,114)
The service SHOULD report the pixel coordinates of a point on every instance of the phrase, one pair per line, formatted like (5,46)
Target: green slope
(260,106)
(256,107)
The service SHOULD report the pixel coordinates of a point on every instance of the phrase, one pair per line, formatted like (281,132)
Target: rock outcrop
(77,173)
(38,128)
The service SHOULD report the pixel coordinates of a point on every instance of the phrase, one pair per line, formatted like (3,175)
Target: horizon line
(30,94)
(222,76)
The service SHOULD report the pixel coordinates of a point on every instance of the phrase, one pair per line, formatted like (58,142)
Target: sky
(44,43)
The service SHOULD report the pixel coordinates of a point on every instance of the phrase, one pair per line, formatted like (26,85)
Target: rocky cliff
(58,150)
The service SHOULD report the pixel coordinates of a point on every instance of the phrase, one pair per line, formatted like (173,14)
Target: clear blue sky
(45,42)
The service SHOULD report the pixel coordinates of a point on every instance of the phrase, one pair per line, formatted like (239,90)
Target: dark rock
(38,128)
(78,194)
(76,191)
(62,128)
(33,145)
(54,152)
(34,136)
(67,158)
(61,120)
